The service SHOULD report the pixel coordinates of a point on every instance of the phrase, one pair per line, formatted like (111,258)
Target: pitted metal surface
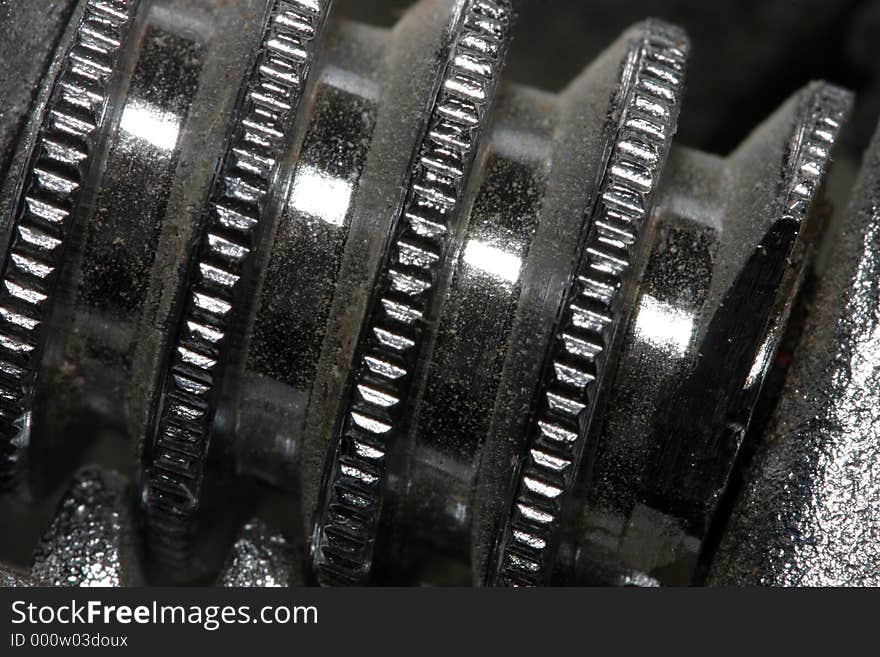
(92,540)
(260,558)
(13,579)
(346,306)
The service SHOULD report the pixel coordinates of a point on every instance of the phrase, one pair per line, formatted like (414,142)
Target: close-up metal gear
(301,292)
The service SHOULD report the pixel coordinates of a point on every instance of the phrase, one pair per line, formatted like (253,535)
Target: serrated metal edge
(394,334)
(593,311)
(236,210)
(60,158)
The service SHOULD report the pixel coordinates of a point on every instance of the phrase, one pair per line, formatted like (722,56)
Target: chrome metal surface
(724,269)
(808,514)
(393,341)
(10,578)
(65,148)
(642,119)
(349,308)
(221,273)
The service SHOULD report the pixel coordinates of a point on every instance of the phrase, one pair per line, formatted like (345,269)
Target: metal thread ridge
(234,214)
(824,114)
(62,153)
(393,335)
(592,312)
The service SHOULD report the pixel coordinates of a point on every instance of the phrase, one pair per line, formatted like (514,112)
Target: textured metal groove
(234,216)
(593,312)
(811,151)
(393,335)
(63,151)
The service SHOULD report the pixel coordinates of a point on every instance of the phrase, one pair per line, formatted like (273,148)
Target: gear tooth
(796,524)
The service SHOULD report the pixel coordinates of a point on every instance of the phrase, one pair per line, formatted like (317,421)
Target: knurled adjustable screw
(437,327)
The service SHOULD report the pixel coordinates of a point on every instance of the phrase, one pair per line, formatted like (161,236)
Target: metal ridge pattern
(393,335)
(62,152)
(825,111)
(592,313)
(235,211)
